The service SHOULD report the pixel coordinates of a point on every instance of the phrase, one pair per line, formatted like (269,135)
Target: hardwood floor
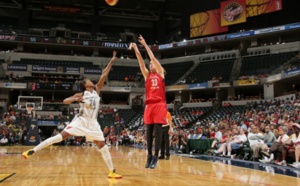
(57,165)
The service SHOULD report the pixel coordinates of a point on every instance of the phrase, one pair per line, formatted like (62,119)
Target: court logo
(233,11)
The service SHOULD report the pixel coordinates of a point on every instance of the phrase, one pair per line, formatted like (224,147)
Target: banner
(176,87)
(40,68)
(275,77)
(115,45)
(92,71)
(206,23)
(198,85)
(15,67)
(246,82)
(14,85)
(218,84)
(292,26)
(75,70)
(120,89)
(258,7)
(165,46)
(269,30)
(292,72)
(47,123)
(233,12)
(7,37)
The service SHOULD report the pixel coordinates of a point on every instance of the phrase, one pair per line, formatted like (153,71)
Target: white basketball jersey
(90,105)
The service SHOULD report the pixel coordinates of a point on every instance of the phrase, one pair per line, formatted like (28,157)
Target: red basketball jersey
(155,89)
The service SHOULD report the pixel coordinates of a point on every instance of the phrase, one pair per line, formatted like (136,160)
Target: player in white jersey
(85,123)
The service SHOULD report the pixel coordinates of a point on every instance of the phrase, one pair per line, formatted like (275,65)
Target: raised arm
(142,65)
(156,63)
(105,72)
(76,97)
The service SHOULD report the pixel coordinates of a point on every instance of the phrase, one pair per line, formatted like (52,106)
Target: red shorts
(155,113)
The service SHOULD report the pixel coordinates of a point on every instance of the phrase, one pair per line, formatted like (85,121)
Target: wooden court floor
(58,165)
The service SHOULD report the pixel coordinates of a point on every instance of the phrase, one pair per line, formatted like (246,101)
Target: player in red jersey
(155,114)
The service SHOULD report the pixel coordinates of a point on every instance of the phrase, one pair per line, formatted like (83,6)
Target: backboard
(33,101)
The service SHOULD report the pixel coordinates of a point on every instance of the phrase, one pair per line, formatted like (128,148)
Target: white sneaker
(283,163)
(295,165)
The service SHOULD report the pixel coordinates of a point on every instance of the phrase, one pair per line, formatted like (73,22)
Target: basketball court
(57,165)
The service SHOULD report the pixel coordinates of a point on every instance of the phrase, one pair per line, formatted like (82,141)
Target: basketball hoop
(29,109)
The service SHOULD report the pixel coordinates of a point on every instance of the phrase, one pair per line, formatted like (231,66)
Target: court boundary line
(7,177)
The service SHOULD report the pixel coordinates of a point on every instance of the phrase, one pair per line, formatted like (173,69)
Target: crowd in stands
(269,128)
(255,77)
(202,100)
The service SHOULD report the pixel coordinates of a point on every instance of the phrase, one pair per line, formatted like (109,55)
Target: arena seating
(176,70)
(264,64)
(206,70)
(234,113)
(118,73)
(56,63)
(189,115)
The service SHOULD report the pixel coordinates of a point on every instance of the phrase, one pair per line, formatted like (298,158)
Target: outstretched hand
(132,45)
(114,55)
(142,40)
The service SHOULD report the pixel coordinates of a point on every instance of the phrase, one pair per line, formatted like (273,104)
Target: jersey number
(154,82)
(92,104)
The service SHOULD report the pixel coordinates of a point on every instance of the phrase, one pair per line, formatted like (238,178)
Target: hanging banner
(246,82)
(206,23)
(258,7)
(233,12)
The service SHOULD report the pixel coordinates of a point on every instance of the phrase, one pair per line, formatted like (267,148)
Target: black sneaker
(167,157)
(149,159)
(161,157)
(153,162)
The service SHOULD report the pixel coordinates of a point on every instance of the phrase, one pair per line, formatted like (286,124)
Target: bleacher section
(63,63)
(206,70)
(264,64)
(129,116)
(176,70)
(118,73)
(189,115)
(234,113)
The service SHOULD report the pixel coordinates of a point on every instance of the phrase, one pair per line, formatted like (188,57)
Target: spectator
(218,138)
(269,136)
(256,141)
(277,146)
(4,141)
(295,141)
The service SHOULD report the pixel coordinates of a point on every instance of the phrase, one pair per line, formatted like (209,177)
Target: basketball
(111,2)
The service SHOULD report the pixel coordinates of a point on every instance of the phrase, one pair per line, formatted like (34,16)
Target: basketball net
(29,109)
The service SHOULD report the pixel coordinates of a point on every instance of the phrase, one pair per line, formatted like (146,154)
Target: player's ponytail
(82,85)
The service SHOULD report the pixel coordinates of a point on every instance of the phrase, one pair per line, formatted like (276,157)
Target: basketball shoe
(153,162)
(28,153)
(149,159)
(113,174)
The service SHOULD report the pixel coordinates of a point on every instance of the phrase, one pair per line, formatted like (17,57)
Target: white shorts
(81,126)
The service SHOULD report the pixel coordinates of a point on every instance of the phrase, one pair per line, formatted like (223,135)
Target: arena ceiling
(126,10)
